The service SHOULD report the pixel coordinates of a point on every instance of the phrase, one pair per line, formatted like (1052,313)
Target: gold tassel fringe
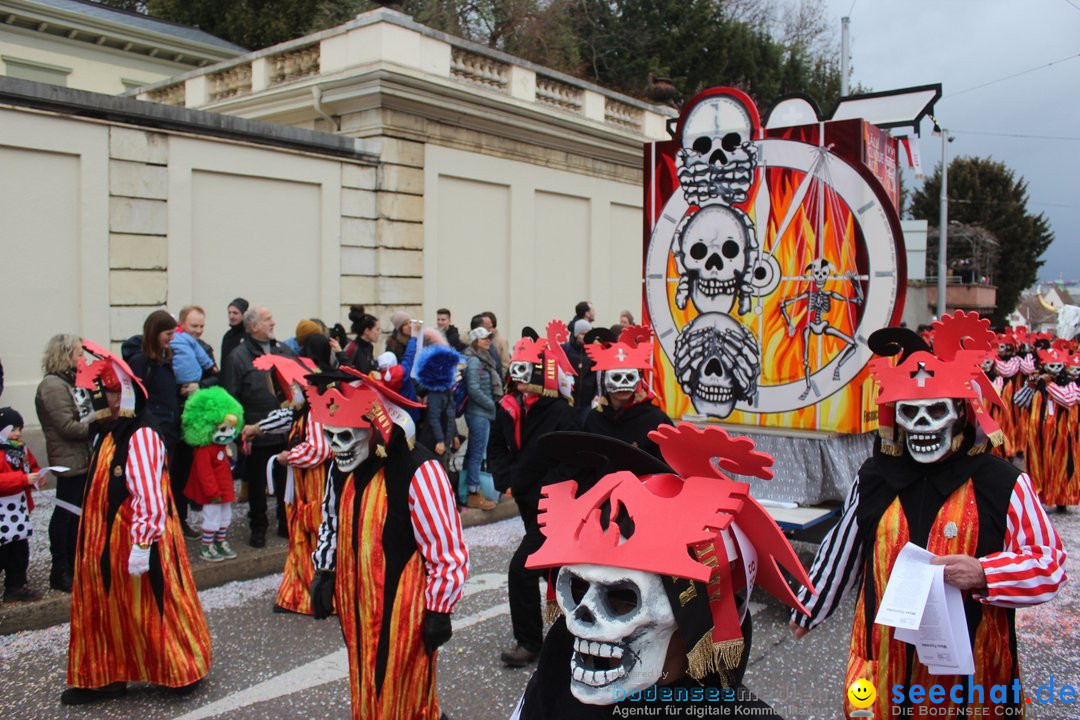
(997,438)
(891,449)
(957,442)
(380,450)
(708,657)
(551,611)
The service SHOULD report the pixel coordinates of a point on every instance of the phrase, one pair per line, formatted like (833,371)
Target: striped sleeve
(1031,568)
(277,422)
(837,567)
(146,457)
(312,450)
(437,529)
(325,555)
(1062,394)
(1027,365)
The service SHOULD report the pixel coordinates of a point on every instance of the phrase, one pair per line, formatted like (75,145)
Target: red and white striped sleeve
(437,529)
(1031,567)
(1062,394)
(312,450)
(146,457)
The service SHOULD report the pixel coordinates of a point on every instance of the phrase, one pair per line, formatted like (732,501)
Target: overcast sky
(967,43)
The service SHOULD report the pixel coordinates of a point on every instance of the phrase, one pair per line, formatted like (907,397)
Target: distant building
(1037,310)
(86,46)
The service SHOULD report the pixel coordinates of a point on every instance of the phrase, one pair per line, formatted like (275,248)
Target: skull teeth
(712,393)
(712,288)
(587,651)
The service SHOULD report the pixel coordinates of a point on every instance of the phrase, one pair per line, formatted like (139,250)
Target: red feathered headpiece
(961,342)
(682,524)
(108,371)
(547,355)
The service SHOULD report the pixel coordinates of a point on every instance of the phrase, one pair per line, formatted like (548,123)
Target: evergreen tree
(987,193)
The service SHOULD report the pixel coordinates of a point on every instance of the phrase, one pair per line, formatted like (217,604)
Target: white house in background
(86,46)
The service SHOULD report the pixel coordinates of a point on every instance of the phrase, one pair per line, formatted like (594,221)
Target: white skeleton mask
(621,380)
(1055,368)
(350,446)
(717,363)
(714,254)
(1073,371)
(225,432)
(521,371)
(929,426)
(987,365)
(84,402)
(622,623)
(1005,351)
(717,158)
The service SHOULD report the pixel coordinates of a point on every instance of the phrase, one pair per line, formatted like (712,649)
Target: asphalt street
(268,665)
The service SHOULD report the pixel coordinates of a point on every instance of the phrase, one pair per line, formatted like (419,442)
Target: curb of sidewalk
(54,608)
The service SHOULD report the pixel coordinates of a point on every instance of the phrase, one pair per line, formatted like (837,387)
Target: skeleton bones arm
(786,304)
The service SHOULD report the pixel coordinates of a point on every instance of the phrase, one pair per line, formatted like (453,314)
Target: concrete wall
(527,242)
(105,222)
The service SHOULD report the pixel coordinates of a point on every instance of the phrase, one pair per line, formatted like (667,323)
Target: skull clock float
(656,562)
(771,254)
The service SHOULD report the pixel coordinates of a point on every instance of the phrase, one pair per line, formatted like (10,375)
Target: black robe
(630,424)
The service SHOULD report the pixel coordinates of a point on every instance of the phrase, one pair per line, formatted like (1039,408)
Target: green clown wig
(204,411)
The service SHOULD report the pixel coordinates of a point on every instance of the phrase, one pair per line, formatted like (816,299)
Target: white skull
(717,363)
(84,402)
(621,380)
(987,365)
(718,157)
(1055,368)
(622,623)
(350,446)
(713,251)
(1073,371)
(819,271)
(929,427)
(521,371)
(1005,351)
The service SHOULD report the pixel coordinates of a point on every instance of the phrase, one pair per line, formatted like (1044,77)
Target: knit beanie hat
(305,328)
(10,416)
(399,318)
(240,304)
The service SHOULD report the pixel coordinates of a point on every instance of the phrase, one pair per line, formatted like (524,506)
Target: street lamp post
(943,225)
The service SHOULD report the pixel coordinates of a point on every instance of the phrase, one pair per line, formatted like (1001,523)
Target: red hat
(633,351)
(108,371)
(952,370)
(1053,355)
(547,355)
(352,399)
(287,372)
(683,526)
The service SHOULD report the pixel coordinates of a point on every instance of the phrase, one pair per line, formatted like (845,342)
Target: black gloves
(436,630)
(322,594)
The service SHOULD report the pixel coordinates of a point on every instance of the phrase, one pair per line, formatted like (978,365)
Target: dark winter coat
(162,395)
(253,388)
(630,424)
(525,469)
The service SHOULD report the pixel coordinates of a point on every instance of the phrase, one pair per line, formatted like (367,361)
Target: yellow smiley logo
(861,693)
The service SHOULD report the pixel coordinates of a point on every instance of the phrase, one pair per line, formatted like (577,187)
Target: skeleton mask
(929,425)
(714,254)
(349,445)
(1073,371)
(84,402)
(621,621)
(819,271)
(225,432)
(717,158)
(987,365)
(521,371)
(1005,351)
(1054,368)
(621,380)
(717,364)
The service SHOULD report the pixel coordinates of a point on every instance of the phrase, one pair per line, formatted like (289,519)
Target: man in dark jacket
(449,331)
(254,390)
(585,384)
(235,333)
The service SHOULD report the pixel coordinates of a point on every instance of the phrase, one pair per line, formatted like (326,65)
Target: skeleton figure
(717,362)
(717,159)
(715,249)
(622,623)
(625,380)
(818,305)
(930,427)
(351,446)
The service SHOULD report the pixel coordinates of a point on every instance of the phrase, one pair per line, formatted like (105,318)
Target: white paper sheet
(904,599)
(942,640)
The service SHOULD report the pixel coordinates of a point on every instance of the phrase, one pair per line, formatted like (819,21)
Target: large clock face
(809,337)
